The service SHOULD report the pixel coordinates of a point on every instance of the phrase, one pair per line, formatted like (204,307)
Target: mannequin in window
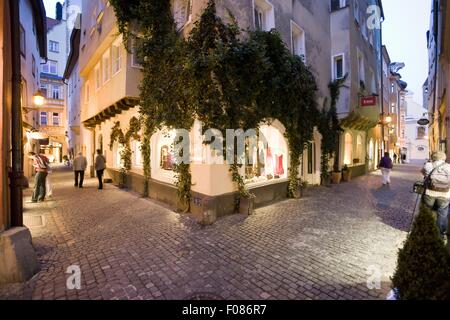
(166,159)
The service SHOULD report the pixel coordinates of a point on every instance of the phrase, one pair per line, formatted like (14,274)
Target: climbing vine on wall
(219,77)
(124,139)
(330,128)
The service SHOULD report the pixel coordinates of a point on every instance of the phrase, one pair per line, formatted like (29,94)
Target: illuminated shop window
(348,151)
(267,160)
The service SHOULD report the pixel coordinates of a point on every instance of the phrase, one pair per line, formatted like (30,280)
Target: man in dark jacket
(386,167)
(100,166)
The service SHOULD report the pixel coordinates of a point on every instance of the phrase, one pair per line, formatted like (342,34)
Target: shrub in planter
(247,204)
(423,264)
(336,177)
(346,174)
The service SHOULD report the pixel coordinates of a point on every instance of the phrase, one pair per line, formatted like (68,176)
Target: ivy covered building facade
(111,76)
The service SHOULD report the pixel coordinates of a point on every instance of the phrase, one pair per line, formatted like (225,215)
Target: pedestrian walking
(437,184)
(41,166)
(100,166)
(395,158)
(79,167)
(386,167)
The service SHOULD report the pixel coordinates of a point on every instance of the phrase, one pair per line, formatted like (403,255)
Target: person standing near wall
(100,166)
(41,165)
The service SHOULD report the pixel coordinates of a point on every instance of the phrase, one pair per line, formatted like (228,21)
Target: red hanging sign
(368,101)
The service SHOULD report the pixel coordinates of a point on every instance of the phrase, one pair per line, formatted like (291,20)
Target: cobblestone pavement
(324,246)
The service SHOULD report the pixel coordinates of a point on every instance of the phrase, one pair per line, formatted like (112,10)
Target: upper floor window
(338,4)
(87,92)
(33,65)
(116,52)
(106,66)
(23,48)
(56,120)
(56,92)
(53,46)
(338,67)
(136,60)
(373,84)
(264,15)
(98,76)
(50,67)
(182,12)
(298,41)
(361,70)
(44,119)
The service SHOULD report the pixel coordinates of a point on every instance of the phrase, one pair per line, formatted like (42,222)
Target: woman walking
(386,167)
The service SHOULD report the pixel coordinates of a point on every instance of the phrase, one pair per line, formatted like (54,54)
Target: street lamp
(38,98)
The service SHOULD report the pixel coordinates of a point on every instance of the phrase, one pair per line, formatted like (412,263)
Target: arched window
(371,150)
(359,150)
(348,149)
(267,160)
(163,155)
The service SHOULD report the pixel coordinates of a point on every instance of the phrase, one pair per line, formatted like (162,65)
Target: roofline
(74,52)
(380,4)
(41,25)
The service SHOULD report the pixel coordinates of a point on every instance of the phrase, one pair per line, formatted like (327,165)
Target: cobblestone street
(324,246)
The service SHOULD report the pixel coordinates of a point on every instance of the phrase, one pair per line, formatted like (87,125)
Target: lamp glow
(39,99)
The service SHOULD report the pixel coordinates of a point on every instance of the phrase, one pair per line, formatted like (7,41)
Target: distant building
(356,51)
(72,77)
(417,149)
(52,115)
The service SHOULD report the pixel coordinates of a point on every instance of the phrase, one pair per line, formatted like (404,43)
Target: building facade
(356,53)
(111,76)
(18,57)
(72,78)
(52,115)
(437,97)
(416,135)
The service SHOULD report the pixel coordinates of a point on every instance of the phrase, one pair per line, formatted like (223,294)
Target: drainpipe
(383,143)
(16,176)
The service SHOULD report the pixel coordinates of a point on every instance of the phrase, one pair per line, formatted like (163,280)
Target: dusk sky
(404,35)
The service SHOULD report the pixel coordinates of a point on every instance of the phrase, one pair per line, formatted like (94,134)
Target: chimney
(59,11)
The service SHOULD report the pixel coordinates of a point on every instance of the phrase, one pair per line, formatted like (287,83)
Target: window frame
(42,115)
(23,41)
(117,45)
(51,44)
(334,66)
(269,14)
(106,66)
(58,122)
(295,27)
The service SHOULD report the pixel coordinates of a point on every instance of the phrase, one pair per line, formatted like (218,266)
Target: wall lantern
(39,98)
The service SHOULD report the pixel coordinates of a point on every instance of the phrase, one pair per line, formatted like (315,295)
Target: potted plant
(298,192)
(122,178)
(336,177)
(346,174)
(247,203)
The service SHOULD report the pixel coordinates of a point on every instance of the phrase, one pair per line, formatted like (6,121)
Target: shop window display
(267,160)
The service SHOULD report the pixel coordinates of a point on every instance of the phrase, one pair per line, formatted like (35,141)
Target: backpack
(438,180)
